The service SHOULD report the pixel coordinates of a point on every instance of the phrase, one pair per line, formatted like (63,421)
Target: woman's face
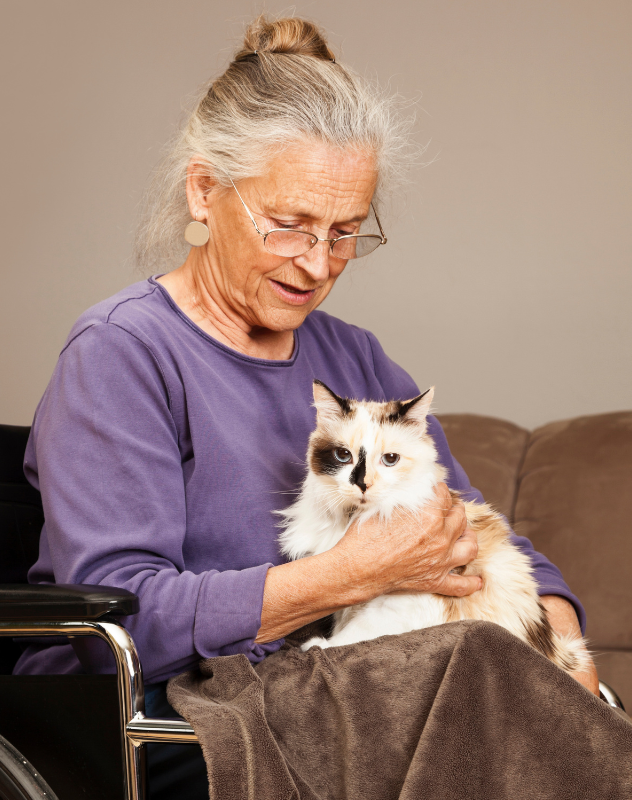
(312,187)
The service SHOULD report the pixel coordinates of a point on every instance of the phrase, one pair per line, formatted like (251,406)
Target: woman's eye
(390,459)
(342,455)
(290,226)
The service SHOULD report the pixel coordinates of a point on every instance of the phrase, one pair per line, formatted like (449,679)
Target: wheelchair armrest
(43,602)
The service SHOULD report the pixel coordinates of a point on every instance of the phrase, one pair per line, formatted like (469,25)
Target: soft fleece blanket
(454,712)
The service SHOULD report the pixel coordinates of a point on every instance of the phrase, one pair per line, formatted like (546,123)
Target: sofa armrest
(44,602)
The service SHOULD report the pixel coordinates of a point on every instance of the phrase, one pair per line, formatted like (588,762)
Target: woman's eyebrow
(299,213)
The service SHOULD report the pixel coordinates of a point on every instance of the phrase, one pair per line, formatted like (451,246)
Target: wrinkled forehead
(318,182)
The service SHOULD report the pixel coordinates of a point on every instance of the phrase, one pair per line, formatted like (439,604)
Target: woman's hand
(412,552)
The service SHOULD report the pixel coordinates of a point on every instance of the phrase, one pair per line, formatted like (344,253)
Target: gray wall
(506,281)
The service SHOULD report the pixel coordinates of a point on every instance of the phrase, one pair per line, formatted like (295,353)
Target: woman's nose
(315,261)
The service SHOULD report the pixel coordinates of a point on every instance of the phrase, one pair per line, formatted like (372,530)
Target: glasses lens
(356,246)
(289,244)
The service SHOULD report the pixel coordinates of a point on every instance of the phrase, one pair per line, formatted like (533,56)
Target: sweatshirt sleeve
(105,456)
(398,385)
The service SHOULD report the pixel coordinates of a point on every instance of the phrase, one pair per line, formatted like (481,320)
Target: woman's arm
(563,619)
(371,560)
(105,453)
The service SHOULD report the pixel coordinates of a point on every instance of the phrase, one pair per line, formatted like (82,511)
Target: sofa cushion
(575,504)
(491,451)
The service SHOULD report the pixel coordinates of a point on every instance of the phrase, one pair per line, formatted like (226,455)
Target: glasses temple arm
(377,219)
(252,219)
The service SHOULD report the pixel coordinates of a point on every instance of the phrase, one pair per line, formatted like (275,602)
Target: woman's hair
(282,87)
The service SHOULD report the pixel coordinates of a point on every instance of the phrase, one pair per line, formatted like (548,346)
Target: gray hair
(283,87)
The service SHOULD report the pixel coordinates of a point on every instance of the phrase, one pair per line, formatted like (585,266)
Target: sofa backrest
(491,451)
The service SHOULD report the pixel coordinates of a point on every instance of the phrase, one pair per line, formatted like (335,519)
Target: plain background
(507,278)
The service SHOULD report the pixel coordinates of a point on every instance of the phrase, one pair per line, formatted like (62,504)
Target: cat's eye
(343,455)
(390,459)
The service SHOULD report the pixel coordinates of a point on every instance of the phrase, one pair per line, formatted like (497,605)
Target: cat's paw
(315,641)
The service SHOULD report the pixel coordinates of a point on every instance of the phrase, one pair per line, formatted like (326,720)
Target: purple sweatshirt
(161,453)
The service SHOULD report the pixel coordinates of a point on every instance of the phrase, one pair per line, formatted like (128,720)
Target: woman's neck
(196,294)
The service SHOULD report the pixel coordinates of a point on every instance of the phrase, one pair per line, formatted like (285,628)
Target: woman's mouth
(292,294)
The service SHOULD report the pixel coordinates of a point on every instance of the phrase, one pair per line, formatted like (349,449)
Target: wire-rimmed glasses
(290,243)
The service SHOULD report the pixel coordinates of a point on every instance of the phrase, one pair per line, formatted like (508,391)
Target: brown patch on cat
(384,412)
(490,529)
(394,412)
(390,414)
(540,635)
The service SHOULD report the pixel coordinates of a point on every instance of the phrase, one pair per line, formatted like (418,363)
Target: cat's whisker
(333,504)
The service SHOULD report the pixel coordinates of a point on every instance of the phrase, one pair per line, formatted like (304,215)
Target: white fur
(329,503)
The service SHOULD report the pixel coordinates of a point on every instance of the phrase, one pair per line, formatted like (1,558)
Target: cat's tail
(568,652)
(572,654)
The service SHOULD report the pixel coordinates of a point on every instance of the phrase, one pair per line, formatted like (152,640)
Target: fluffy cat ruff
(336,493)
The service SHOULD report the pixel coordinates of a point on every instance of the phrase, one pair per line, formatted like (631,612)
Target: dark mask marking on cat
(399,415)
(345,405)
(322,459)
(358,473)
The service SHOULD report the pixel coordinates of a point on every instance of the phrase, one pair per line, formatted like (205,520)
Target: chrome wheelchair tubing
(142,729)
(135,727)
(610,696)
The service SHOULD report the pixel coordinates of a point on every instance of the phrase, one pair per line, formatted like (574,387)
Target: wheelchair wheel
(19,780)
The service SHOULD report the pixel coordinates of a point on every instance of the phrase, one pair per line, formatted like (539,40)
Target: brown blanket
(459,711)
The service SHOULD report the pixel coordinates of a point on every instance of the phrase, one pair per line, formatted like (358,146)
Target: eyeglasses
(291,243)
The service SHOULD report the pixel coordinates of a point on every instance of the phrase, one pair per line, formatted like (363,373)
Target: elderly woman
(177,418)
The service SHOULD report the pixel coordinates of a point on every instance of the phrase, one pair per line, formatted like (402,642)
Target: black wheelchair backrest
(21,515)
(21,520)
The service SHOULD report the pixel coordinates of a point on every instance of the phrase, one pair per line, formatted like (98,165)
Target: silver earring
(196,233)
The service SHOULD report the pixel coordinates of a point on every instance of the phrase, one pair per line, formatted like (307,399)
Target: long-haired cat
(369,458)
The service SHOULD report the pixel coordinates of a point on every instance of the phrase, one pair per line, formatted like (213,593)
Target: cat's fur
(335,494)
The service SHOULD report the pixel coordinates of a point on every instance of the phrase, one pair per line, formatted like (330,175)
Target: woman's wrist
(308,589)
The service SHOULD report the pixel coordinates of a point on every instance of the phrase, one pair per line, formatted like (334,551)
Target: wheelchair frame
(136,728)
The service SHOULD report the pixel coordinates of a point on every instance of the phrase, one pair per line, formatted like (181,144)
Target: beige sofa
(568,487)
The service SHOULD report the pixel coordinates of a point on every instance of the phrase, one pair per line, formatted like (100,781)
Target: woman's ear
(200,184)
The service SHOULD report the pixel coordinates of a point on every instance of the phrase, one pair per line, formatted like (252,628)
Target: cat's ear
(329,406)
(415,410)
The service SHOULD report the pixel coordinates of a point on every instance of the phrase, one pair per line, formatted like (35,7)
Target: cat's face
(370,456)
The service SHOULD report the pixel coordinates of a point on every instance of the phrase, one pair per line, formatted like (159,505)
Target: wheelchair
(86,733)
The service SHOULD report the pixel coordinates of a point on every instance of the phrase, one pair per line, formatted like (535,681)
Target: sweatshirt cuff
(228,614)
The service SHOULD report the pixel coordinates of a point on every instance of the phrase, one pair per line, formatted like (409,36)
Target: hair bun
(289,35)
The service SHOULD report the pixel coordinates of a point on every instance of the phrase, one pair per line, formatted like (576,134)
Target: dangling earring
(196,233)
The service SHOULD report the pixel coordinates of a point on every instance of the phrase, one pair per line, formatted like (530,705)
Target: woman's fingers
(455,520)
(459,585)
(419,553)
(465,549)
